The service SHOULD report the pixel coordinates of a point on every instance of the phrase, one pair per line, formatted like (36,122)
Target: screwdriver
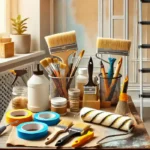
(3,128)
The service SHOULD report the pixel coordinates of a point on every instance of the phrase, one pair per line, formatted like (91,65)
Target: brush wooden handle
(67,138)
(64,55)
(54,135)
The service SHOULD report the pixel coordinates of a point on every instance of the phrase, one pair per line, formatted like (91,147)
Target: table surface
(140,138)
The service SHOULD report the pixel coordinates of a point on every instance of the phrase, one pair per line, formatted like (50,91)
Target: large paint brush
(62,127)
(76,130)
(62,45)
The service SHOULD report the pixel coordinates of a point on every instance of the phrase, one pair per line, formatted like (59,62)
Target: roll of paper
(107,119)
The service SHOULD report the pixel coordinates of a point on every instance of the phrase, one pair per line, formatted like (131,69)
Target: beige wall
(39,19)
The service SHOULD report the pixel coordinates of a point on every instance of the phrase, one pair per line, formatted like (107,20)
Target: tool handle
(53,136)
(90,70)
(2,129)
(83,139)
(67,138)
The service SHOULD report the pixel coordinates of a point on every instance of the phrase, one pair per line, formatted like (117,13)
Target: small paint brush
(122,106)
(90,89)
(45,64)
(76,130)
(111,69)
(71,65)
(75,67)
(62,127)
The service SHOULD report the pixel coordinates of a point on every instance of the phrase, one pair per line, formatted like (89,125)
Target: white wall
(31,9)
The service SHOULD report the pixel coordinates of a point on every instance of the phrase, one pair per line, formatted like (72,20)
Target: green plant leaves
(19,25)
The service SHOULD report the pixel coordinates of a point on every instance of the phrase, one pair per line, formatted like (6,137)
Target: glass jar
(81,80)
(59,105)
(18,91)
(19,97)
(74,99)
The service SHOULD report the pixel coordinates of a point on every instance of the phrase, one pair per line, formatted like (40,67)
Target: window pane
(2,16)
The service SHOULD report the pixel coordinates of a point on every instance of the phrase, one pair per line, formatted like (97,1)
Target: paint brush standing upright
(105,78)
(122,106)
(111,69)
(114,80)
(90,89)
(75,67)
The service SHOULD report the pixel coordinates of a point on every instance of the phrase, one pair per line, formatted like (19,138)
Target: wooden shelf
(18,59)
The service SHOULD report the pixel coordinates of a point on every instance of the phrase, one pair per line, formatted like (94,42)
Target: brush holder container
(59,86)
(110,90)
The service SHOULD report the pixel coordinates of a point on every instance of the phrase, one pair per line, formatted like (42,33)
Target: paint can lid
(58,101)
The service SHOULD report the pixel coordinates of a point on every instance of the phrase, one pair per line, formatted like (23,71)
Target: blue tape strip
(48,117)
(32,130)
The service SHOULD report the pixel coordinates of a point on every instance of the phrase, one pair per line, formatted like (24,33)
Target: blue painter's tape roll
(32,130)
(48,117)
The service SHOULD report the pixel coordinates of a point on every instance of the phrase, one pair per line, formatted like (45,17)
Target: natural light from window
(2,16)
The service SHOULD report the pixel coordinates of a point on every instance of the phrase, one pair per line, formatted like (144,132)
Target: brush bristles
(81,126)
(61,39)
(44,63)
(81,53)
(114,44)
(122,108)
(65,123)
(55,60)
(62,65)
(49,60)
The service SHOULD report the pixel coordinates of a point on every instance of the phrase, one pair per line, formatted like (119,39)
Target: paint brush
(62,127)
(114,80)
(45,64)
(75,67)
(76,130)
(122,106)
(113,46)
(90,89)
(105,78)
(71,65)
(111,69)
(62,45)
(118,67)
(83,139)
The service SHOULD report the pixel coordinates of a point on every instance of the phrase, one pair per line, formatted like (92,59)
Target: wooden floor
(146,118)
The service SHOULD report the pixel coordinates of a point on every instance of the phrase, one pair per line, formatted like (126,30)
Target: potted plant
(22,42)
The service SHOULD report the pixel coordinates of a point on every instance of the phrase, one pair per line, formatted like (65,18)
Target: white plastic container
(38,92)
(81,80)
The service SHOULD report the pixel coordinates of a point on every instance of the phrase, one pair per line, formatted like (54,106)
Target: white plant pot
(22,43)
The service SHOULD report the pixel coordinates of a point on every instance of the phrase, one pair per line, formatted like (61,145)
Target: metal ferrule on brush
(114,52)
(63,48)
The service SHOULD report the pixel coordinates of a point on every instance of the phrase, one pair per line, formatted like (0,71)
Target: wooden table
(139,140)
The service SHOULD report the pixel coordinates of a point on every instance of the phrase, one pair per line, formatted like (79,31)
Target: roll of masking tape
(22,115)
(32,130)
(48,117)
